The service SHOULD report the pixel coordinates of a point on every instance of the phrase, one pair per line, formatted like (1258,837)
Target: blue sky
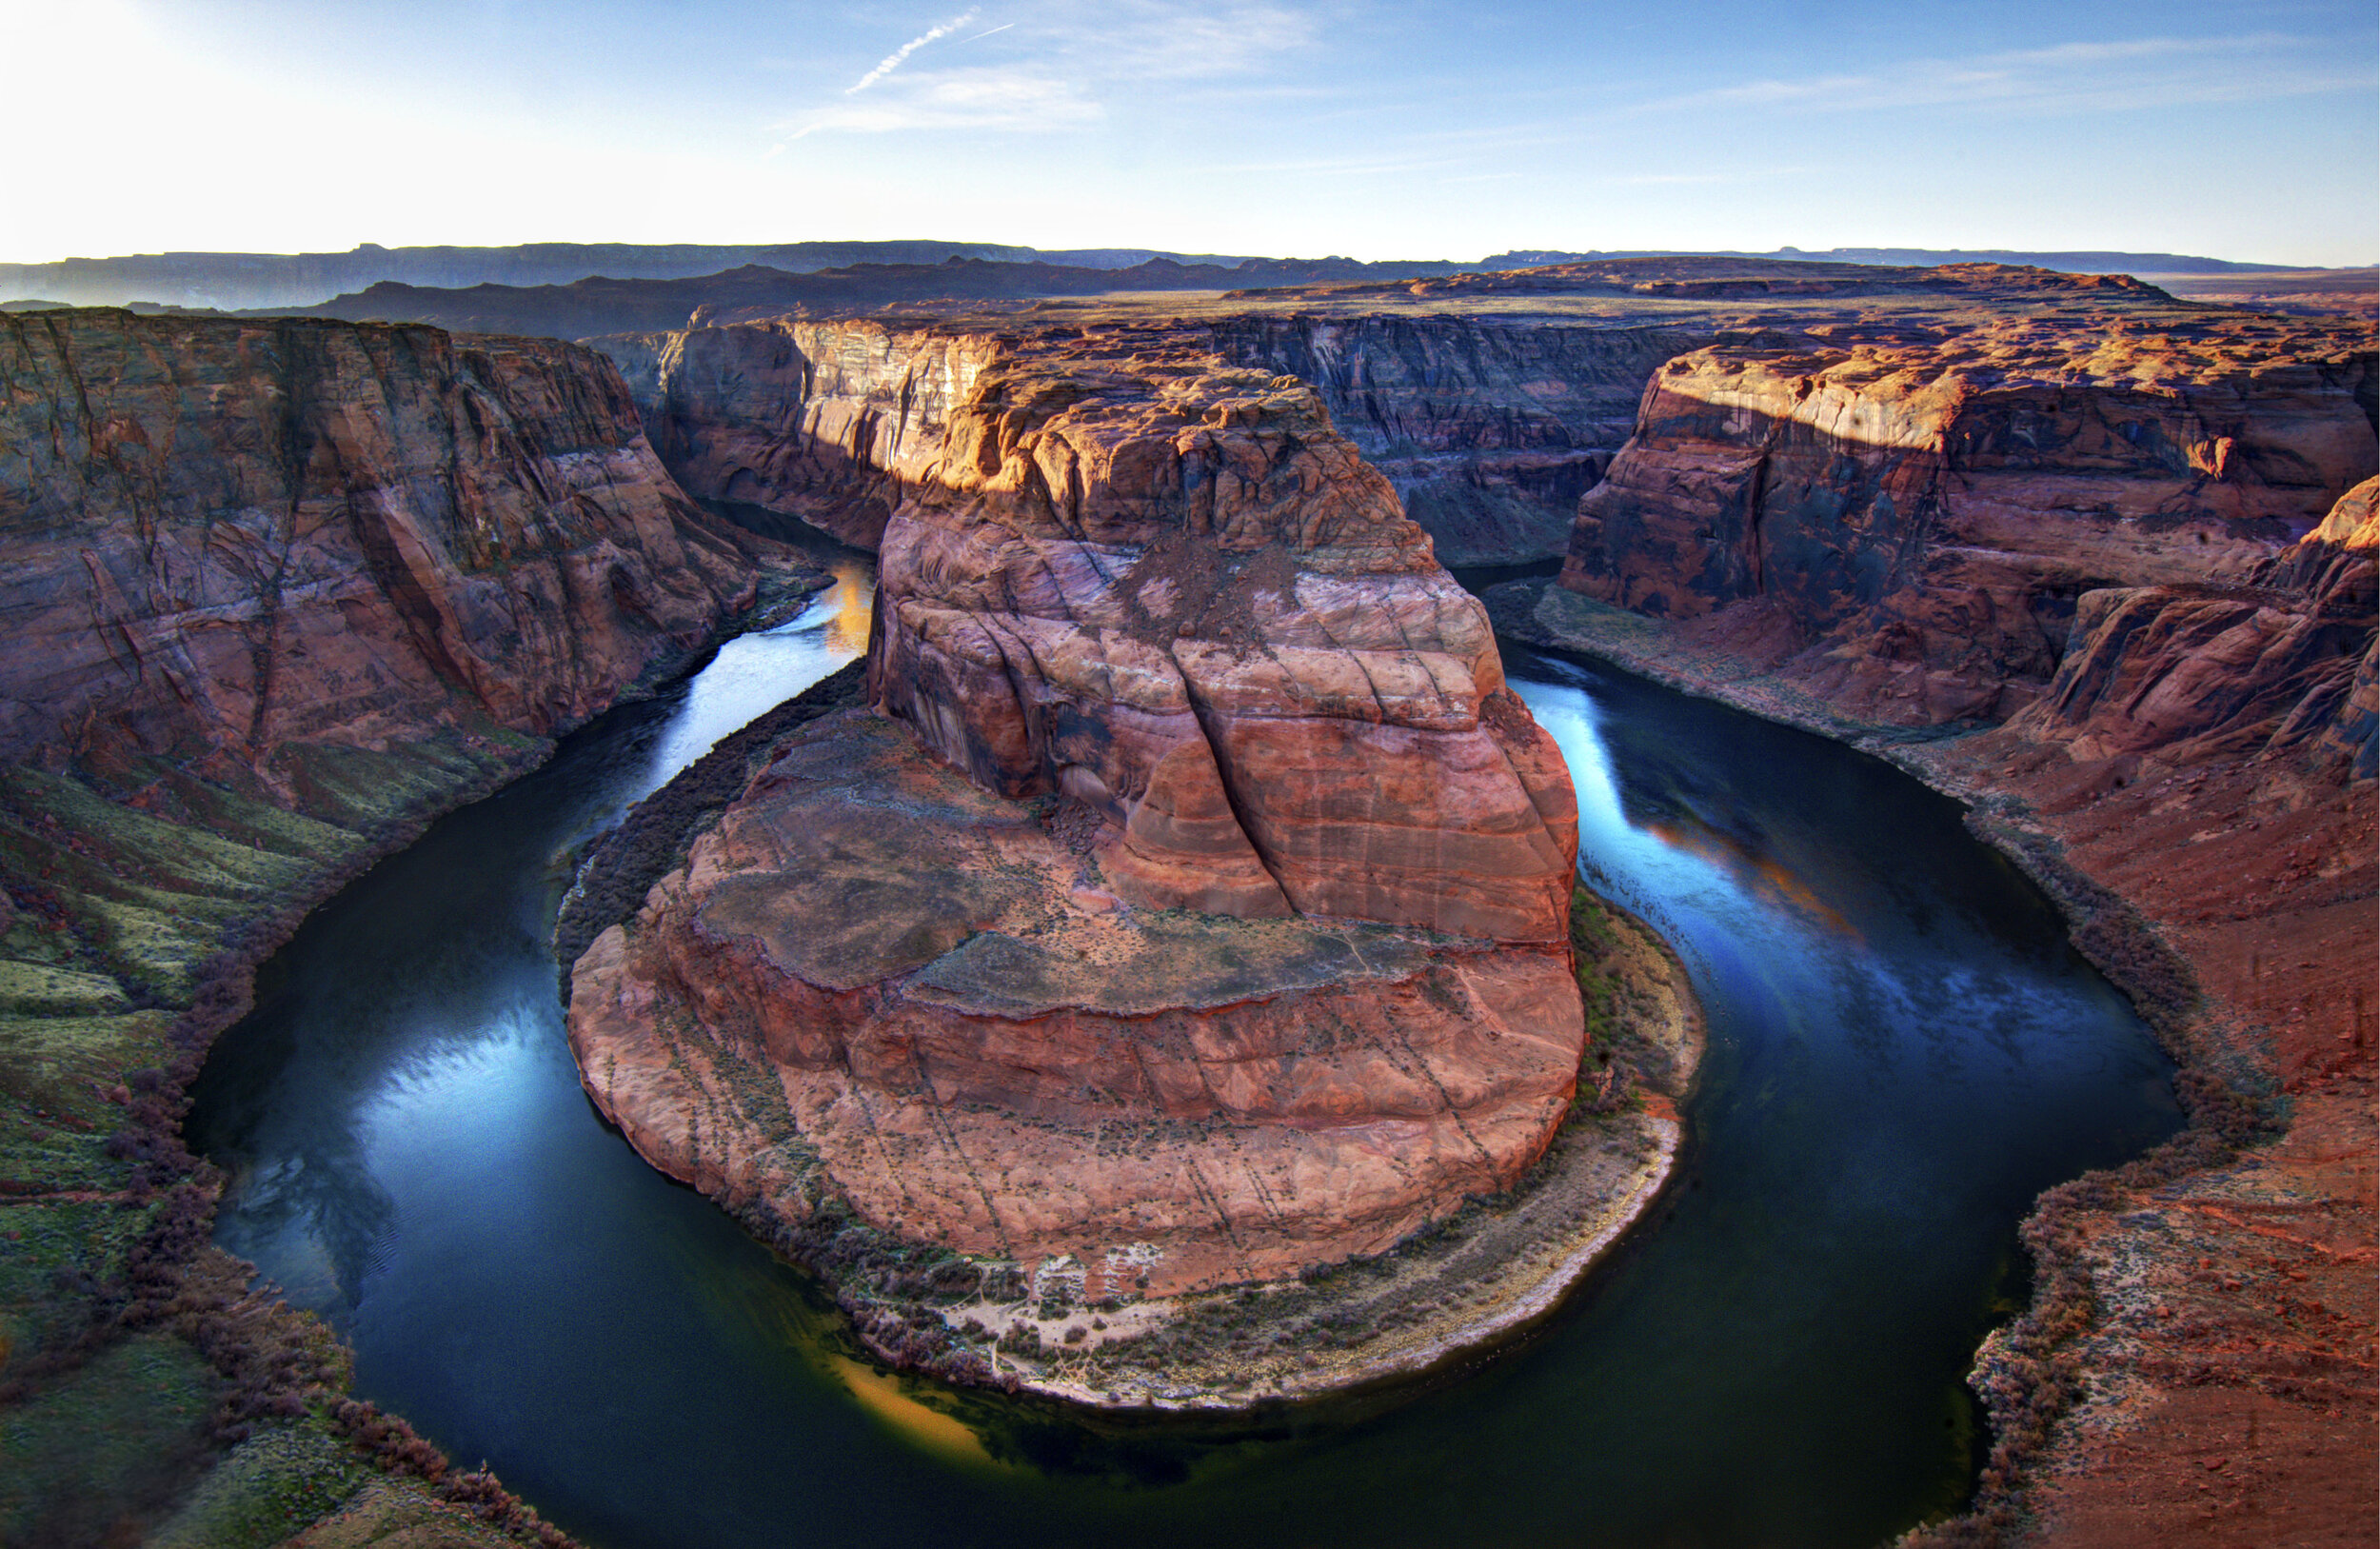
(1418,128)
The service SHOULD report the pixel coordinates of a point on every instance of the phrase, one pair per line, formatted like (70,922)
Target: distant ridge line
(234,282)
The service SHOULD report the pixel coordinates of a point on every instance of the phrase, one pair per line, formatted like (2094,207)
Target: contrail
(986,33)
(892,60)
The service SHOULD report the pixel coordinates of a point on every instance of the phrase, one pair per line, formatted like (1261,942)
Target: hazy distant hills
(2071,263)
(608,305)
(234,282)
(240,282)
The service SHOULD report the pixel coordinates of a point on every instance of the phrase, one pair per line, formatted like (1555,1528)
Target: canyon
(1907,510)
(277,586)
(1160,590)
(1493,403)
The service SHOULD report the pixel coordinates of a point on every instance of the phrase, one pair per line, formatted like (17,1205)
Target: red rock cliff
(222,539)
(828,421)
(1914,519)
(1490,429)
(1169,591)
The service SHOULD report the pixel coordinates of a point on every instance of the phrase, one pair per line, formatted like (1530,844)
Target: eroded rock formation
(2144,545)
(275,594)
(1915,520)
(348,572)
(831,423)
(224,539)
(2190,671)
(1227,933)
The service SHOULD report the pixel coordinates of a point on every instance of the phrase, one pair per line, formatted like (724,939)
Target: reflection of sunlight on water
(456,1107)
(1756,874)
(853,600)
(1639,868)
(1611,848)
(785,1318)
(1650,858)
(882,1395)
(754,673)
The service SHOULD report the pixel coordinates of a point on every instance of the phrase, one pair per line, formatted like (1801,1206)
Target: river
(1904,1051)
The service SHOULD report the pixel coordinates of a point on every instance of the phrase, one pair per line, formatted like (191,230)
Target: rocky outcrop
(2186,672)
(1488,432)
(1914,522)
(2209,1304)
(276,594)
(1226,934)
(1170,592)
(226,539)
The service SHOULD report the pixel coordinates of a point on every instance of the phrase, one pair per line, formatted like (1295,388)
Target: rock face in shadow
(229,541)
(1488,432)
(1489,429)
(274,595)
(1201,912)
(2189,672)
(1914,522)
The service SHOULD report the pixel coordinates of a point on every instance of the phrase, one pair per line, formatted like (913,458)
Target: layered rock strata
(1489,429)
(2210,1304)
(831,423)
(227,540)
(1200,914)
(2285,664)
(1914,522)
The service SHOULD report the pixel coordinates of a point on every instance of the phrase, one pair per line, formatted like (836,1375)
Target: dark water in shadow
(1905,1050)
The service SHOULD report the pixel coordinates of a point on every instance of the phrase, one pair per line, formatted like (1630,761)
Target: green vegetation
(1592,940)
(114,1442)
(269,1486)
(135,899)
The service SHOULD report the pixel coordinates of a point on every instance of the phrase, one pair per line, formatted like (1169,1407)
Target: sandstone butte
(1201,913)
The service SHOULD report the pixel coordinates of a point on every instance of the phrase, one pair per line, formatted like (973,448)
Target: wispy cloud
(894,60)
(1150,41)
(1070,58)
(991,98)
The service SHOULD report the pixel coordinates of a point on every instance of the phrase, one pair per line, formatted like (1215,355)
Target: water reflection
(1904,1051)
(413,1030)
(750,673)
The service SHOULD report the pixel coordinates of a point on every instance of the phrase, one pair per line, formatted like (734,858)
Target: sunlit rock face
(1170,591)
(227,540)
(1911,517)
(1202,906)
(831,423)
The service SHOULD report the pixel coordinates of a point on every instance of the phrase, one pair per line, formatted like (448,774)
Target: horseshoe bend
(1153,976)
(1187,906)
